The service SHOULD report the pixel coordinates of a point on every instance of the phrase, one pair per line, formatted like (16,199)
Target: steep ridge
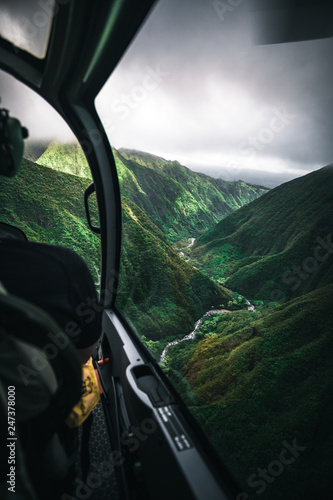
(276,247)
(68,158)
(259,382)
(159,292)
(182,203)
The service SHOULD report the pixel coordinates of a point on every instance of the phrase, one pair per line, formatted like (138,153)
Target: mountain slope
(68,158)
(182,203)
(34,149)
(278,246)
(260,381)
(159,292)
(48,206)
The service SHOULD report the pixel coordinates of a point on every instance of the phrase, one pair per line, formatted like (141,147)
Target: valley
(230,288)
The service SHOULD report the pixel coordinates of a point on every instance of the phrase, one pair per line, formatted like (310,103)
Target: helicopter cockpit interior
(166,275)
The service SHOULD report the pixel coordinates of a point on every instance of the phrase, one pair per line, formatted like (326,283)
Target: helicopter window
(208,127)
(27,25)
(45,199)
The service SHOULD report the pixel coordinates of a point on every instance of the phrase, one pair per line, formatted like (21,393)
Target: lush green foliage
(253,379)
(48,206)
(68,158)
(275,248)
(182,203)
(256,379)
(159,292)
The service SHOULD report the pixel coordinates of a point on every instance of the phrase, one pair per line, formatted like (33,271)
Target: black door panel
(156,452)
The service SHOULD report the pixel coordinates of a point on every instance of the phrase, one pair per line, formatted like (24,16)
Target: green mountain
(182,203)
(276,247)
(68,158)
(161,294)
(258,380)
(48,206)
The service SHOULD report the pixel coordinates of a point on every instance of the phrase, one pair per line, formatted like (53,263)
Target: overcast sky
(220,104)
(194,88)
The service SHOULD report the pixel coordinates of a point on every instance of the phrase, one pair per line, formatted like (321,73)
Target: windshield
(45,199)
(223,151)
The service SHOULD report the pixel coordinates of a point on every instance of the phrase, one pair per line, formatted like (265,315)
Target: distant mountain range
(182,203)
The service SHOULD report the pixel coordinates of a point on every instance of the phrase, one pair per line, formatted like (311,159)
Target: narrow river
(197,325)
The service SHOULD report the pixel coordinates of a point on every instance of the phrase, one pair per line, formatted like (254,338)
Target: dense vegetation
(278,246)
(48,206)
(182,203)
(257,379)
(68,158)
(159,292)
(254,379)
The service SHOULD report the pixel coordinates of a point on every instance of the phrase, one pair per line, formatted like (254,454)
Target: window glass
(223,150)
(46,198)
(27,23)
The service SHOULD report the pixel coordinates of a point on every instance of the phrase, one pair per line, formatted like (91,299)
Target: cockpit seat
(58,281)
(43,370)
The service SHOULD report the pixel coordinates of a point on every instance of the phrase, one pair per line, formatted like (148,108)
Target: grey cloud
(201,53)
(219,93)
